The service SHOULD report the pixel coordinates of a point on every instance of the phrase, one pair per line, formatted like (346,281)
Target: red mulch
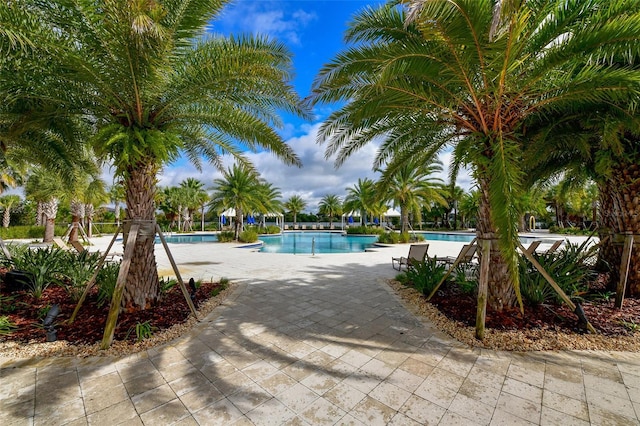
(601,314)
(28,313)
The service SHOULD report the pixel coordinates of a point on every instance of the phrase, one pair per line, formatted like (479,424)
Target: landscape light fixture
(48,323)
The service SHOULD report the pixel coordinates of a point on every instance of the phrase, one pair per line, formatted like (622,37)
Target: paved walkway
(311,340)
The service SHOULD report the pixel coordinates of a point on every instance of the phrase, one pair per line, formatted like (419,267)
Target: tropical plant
(248,236)
(43,267)
(116,195)
(362,198)
(46,188)
(241,189)
(330,206)
(412,187)
(571,268)
(106,281)
(294,205)
(155,87)
(226,236)
(470,74)
(8,202)
(424,276)
(76,271)
(195,197)
(6,326)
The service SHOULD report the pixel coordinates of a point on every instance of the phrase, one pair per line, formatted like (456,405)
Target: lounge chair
(465,256)
(417,253)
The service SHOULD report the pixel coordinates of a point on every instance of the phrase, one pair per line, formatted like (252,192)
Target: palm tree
(195,197)
(46,189)
(116,196)
(294,205)
(412,187)
(271,204)
(240,188)
(361,197)
(330,206)
(8,202)
(95,195)
(170,202)
(455,76)
(156,87)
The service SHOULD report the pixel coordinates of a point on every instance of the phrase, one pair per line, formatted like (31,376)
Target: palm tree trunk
(6,217)
(50,211)
(501,292)
(75,219)
(142,287)
(39,214)
(620,204)
(238,224)
(89,211)
(405,218)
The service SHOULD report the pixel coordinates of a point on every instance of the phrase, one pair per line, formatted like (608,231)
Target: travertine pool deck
(312,340)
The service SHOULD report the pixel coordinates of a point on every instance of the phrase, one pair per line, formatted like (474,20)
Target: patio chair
(465,256)
(417,253)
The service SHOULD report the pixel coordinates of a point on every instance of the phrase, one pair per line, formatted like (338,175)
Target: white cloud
(267,18)
(317,177)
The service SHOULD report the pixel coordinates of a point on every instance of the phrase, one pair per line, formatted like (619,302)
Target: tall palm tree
(412,187)
(116,196)
(8,202)
(294,205)
(155,86)
(458,75)
(47,189)
(240,188)
(330,206)
(271,203)
(361,197)
(195,197)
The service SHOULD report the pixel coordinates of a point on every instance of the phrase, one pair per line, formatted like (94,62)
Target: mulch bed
(606,319)
(28,314)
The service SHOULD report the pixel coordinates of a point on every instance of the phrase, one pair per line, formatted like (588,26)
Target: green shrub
(167,284)
(6,326)
(248,236)
(466,279)
(27,232)
(106,281)
(226,236)
(271,229)
(44,265)
(143,331)
(424,276)
(389,238)
(367,230)
(571,269)
(76,271)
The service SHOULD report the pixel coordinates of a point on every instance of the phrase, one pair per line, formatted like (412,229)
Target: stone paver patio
(312,340)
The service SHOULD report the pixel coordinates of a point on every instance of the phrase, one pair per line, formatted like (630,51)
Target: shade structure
(392,213)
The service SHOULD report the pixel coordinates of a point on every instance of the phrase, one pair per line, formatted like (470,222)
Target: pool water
(461,238)
(322,242)
(181,239)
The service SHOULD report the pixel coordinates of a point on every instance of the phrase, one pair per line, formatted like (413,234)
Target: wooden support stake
(624,270)
(92,281)
(450,271)
(114,309)
(175,269)
(555,286)
(483,287)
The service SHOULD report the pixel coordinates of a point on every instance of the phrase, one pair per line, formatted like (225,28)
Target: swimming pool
(189,238)
(461,238)
(322,242)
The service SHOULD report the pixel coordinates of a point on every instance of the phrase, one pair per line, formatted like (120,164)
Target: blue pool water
(181,239)
(462,238)
(325,242)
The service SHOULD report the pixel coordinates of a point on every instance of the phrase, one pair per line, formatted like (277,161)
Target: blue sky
(314,32)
